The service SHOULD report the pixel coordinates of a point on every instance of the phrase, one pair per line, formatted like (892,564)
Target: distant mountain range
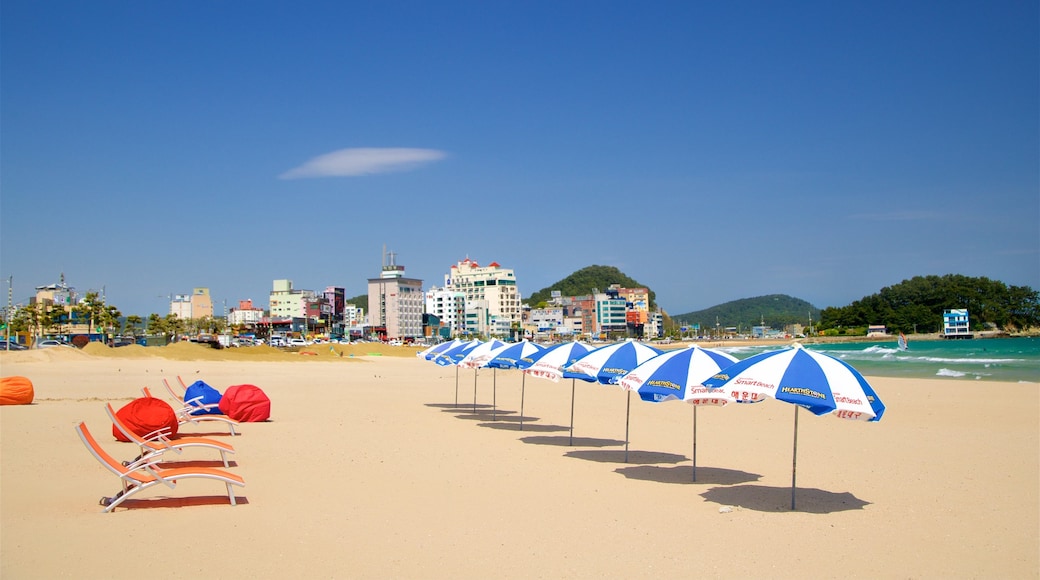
(774,310)
(777,310)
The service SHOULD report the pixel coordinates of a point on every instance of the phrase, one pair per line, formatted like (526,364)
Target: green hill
(776,310)
(359,301)
(586,280)
(917,304)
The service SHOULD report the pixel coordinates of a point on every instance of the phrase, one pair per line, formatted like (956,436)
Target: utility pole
(7,313)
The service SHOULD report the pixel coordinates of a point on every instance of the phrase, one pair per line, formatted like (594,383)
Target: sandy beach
(368,469)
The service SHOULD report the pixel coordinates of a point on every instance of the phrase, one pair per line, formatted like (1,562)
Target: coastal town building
(449,308)
(245,314)
(955,323)
(192,306)
(286,302)
(493,304)
(395,303)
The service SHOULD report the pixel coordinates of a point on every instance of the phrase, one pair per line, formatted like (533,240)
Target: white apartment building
(246,313)
(493,285)
(353,316)
(288,303)
(450,307)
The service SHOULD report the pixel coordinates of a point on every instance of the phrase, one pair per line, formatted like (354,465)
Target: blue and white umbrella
(433,351)
(451,357)
(818,382)
(609,363)
(678,375)
(510,357)
(478,357)
(550,364)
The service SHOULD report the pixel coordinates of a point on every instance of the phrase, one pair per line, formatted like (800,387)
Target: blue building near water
(955,323)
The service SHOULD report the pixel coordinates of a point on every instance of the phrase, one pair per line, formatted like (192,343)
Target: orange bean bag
(246,403)
(145,415)
(16,391)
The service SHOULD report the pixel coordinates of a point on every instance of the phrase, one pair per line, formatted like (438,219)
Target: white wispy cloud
(364,161)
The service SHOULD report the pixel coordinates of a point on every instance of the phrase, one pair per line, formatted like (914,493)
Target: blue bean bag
(206,395)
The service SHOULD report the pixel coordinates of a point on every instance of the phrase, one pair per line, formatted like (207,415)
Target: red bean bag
(245,403)
(16,391)
(145,415)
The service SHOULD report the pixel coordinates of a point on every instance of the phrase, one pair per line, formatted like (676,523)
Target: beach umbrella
(451,356)
(678,375)
(550,363)
(478,357)
(607,364)
(818,382)
(433,351)
(509,357)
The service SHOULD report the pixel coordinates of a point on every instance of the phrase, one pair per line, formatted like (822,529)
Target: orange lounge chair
(183,411)
(145,473)
(157,442)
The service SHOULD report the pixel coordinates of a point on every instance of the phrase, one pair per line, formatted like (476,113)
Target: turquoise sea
(992,359)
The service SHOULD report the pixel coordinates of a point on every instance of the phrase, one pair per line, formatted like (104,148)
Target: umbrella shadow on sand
(482,415)
(513,424)
(778,499)
(566,441)
(618,456)
(682,474)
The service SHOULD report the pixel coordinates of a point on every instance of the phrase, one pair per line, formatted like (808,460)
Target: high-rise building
(395,303)
(492,299)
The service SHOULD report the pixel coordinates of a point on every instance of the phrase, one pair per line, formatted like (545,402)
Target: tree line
(917,305)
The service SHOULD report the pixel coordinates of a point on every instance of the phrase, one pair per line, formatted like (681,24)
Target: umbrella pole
(572,413)
(456,386)
(695,442)
(523,385)
(474,391)
(494,394)
(794,459)
(628,409)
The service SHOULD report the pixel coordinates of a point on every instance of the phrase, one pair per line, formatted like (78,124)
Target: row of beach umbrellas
(817,382)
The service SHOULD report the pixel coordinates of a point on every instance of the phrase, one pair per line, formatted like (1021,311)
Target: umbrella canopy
(453,355)
(511,356)
(436,349)
(816,381)
(609,363)
(549,363)
(479,356)
(678,375)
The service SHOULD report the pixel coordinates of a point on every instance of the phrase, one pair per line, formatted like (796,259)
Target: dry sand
(368,470)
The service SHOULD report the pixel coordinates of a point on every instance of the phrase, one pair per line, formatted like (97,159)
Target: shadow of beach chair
(184,410)
(145,473)
(157,441)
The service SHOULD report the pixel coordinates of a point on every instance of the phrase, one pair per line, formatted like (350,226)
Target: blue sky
(712,151)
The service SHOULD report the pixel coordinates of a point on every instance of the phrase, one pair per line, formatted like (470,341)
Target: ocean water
(992,359)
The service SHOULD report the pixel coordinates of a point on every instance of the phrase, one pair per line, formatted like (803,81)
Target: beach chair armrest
(159,435)
(144,462)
